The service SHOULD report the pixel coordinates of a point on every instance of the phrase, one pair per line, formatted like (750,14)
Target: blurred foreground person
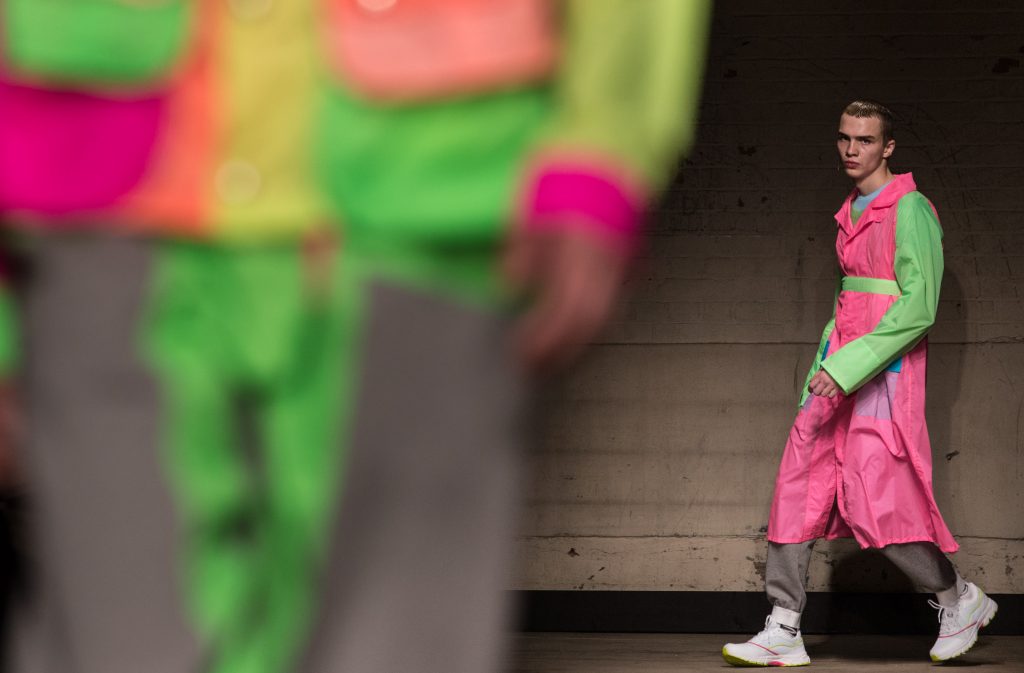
(453,132)
(232,308)
(78,125)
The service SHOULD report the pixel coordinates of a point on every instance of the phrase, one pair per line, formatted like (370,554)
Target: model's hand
(574,280)
(823,385)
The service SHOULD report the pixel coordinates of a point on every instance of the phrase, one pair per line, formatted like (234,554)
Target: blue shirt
(862,201)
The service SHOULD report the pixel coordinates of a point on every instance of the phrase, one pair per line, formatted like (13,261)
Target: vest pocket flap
(420,49)
(118,42)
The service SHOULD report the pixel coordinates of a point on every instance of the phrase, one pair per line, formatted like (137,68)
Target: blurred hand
(573,280)
(823,385)
(10,422)
(319,249)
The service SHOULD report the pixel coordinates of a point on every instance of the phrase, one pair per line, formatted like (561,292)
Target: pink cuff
(586,196)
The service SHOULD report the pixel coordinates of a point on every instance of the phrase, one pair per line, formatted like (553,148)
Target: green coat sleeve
(629,82)
(918,269)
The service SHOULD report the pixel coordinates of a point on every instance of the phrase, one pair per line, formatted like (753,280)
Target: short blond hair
(870,108)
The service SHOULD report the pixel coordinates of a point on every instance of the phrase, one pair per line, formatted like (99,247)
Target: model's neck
(875,181)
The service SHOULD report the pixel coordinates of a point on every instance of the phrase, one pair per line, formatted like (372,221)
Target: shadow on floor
(892,648)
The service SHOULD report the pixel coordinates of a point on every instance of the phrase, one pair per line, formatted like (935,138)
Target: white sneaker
(959,625)
(776,645)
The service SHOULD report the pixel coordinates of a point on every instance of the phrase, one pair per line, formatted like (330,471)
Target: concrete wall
(659,454)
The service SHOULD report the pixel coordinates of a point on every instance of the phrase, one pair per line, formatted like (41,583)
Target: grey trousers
(422,541)
(786,571)
(103,596)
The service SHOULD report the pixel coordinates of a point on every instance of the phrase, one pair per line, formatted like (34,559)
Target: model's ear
(889,148)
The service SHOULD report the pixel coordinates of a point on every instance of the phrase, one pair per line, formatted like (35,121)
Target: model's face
(860,146)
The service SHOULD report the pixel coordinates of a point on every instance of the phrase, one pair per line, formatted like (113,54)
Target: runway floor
(682,653)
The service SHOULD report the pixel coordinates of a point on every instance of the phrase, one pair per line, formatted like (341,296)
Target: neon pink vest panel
(64,153)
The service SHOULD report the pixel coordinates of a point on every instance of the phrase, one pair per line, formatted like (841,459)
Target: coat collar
(900,185)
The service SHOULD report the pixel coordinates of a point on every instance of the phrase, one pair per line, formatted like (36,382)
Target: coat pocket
(121,43)
(407,50)
(819,356)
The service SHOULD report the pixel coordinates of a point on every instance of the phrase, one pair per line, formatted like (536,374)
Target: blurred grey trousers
(420,558)
(103,595)
(786,571)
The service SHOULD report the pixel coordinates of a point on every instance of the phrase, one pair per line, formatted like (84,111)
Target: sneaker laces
(763,633)
(947,615)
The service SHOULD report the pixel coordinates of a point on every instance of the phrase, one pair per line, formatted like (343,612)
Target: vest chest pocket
(402,50)
(120,43)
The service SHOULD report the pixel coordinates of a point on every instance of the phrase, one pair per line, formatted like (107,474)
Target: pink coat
(860,464)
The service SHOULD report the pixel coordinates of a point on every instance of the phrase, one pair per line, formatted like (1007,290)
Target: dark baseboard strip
(740,612)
